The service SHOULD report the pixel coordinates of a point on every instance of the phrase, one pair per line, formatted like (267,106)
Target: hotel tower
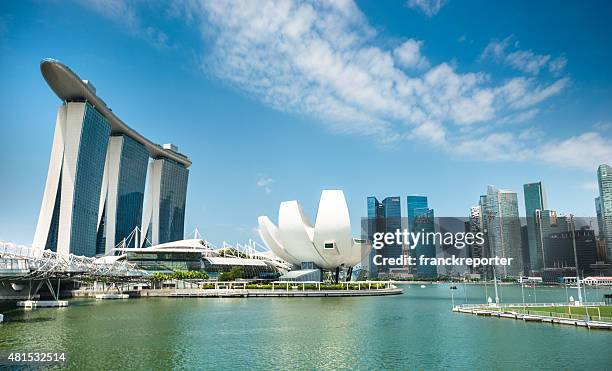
(105,180)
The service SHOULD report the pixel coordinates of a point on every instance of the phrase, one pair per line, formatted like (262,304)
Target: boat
(423,286)
(507,315)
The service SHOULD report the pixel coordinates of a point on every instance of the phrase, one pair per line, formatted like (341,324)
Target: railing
(520,305)
(591,313)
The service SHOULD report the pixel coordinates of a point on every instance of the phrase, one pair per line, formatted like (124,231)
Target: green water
(413,330)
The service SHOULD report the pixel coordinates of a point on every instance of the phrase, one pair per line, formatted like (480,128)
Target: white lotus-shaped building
(328,244)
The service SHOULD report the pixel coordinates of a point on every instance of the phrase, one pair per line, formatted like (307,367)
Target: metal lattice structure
(22,262)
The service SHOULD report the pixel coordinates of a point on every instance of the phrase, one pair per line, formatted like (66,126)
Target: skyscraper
(535,199)
(384,217)
(94,192)
(421,219)
(374,224)
(475,225)
(414,202)
(393,221)
(504,229)
(604,178)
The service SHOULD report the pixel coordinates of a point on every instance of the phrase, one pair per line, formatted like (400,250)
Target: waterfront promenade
(243,289)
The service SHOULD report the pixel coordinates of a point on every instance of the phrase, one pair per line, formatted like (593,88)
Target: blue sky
(278,101)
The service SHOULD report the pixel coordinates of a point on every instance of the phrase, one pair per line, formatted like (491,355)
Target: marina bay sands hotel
(104,178)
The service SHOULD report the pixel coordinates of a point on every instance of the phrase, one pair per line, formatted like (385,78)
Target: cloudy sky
(279,100)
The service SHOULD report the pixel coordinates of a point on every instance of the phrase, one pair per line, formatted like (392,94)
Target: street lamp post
(490,217)
(573,225)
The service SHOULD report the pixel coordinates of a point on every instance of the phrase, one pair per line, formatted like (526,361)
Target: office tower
(560,250)
(474,226)
(414,202)
(93,197)
(548,222)
(604,178)
(374,224)
(525,249)
(535,199)
(164,217)
(384,217)
(421,218)
(504,229)
(122,195)
(392,222)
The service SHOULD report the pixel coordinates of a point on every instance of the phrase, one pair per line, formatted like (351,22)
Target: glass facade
(421,219)
(54,227)
(173,192)
(504,229)
(167,262)
(535,199)
(392,221)
(88,181)
(414,202)
(375,224)
(131,187)
(424,222)
(604,177)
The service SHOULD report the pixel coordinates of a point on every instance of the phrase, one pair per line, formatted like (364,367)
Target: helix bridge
(31,267)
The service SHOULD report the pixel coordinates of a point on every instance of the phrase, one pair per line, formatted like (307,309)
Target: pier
(524,313)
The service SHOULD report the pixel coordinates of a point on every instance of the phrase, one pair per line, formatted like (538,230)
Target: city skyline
(227,126)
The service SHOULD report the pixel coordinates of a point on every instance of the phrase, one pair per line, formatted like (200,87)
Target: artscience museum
(327,247)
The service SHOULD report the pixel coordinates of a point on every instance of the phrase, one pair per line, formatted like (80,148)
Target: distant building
(392,221)
(604,178)
(414,202)
(548,222)
(535,199)
(475,225)
(94,193)
(525,248)
(375,223)
(560,250)
(421,219)
(504,229)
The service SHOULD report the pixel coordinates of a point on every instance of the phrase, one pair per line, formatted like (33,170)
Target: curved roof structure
(68,86)
(328,244)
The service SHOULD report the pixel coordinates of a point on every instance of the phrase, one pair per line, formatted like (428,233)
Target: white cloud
(408,55)
(522,60)
(429,7)
(586,151)
(265,183)
(324,60)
